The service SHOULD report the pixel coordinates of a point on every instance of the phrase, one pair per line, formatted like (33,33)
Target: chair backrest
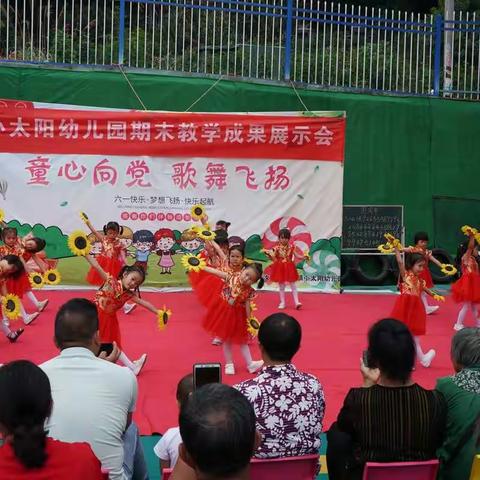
(475,473)
(166,472)
(401,470)
(288,468)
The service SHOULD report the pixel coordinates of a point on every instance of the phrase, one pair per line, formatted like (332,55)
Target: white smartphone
(204,373)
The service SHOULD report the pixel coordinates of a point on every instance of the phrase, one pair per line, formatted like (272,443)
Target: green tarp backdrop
(399,150)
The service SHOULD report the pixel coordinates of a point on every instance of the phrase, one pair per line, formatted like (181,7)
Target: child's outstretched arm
(218,273)
(471,246)
(38,262)
(217,249)
(98,235)
(434,295)
(143,303)
(401,264)
(248,309)
(96,266)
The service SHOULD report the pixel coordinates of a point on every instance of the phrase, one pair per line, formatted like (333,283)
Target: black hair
(391,348)
(284,233)
(184,388)
(223,223)
(412,258)
(17,263)
(258,269)
(221,237)
(76,322)
(462,250)
(112,226)
(280,336)
(144,236)
(40,244)
(420,236)
(236,241)
(237,248)
(217,426)
(133,269)
(25,404)
(8,230)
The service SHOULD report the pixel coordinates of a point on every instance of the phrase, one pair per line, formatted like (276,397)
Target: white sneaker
(30,318)
(458,326)
(281,306)
(255,366)
(217,341)
(139,364)
(42,305)
(427,358)
(298,306)
(128,307)
(431,309)
(229,369)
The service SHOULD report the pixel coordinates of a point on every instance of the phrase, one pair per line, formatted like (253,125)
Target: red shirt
(69,461)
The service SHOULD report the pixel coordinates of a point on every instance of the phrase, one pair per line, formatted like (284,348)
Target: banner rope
(300,98)
(204,93)
(131,86)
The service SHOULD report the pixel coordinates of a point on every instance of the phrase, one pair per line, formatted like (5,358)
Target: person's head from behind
(421,239)
(131,276)
(279,337)
(34,244)
(76,325)
(391,349)
(465,350)
(9,236)
(222,225)
(184,389)
(415,263)
(11,266)
(217,426)
(25,404)
(284,236)
(235,257)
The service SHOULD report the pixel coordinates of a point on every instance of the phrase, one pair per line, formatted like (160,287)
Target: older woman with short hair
(462,393)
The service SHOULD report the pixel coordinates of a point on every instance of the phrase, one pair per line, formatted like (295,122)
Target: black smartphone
(204,373)
(107,348)
(366,358)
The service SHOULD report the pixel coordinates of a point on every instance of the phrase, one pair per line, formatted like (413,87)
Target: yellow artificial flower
(36,280)
(389,238)
(253,307)
(253,326)
(197,212)
(84,217)
(206,234)
(11,306)
(439,298)
(52,277)
(448,269)
(385,248)
(306,256)
(468,230)
(193,263)
(196,228)
(2,215)
(163,316)
(78,243)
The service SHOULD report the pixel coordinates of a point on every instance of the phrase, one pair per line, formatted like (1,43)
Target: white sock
(463,311)
(424,298)
(126,361)
(293,287)
(227,352)
(281,291)
(245,350)
(418,348)
(33,299)
(5,326)
(23,313)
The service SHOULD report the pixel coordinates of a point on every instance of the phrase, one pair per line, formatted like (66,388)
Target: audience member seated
(25,404)
(462,394)
(167,447)
(289,405)
(217,425)
(390,418)
(93,399)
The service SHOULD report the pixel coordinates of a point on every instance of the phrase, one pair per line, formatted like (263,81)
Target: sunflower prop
(79,244)
(193,263)
(84,217)
(52,277)
(163,316)
(253,326)
(196,228)
(11,306)
(205,234)
(468,230)
(385,248)
(448,269)
(253,307)
(36,280)
(197,212)
(2,215)
(439,298)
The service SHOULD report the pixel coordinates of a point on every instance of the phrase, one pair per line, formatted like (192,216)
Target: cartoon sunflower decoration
(197,212)
(36,280)
(84,217)
(163,316)
(253,326)
(385,248)
(205,234)
(52,277)
(78,243)
(193,263)
(448,269)
(11,306)
(2,215)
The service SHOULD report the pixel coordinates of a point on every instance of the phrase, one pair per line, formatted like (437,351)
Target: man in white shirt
(93,399)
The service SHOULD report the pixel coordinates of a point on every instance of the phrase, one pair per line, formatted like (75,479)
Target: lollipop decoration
(78,243)
(193,263)
(36,280)
(163,316)
(323,270)
(52,277)
(11,306)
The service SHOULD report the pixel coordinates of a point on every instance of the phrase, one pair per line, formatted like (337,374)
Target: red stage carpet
(334,336)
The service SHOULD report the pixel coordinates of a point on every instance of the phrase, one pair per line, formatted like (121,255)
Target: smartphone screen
(204,373)
(366,358)
(106,347)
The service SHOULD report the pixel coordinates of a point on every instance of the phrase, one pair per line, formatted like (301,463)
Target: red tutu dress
(109,299)
(226,317)
(21,285)
(111,260)
(283,269)
(408,307)
(467,287)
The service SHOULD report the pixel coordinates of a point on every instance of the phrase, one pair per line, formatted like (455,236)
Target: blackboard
(365,225)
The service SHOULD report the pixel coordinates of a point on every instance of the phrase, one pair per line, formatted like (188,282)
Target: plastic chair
(166,472)
(401,470)
(288,468)
(475,473)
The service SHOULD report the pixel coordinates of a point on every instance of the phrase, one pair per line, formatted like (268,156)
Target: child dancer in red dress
(408,307)
(283,270)
(228,315)
(26,248)
(111,297)
(113,255)
(11,266)
(466,290)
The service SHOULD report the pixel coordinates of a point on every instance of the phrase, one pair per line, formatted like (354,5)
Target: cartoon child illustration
(189,242)
(143,242)
(126,238)
(165,240)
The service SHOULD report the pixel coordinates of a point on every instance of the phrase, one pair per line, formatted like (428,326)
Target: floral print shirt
(289,406)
